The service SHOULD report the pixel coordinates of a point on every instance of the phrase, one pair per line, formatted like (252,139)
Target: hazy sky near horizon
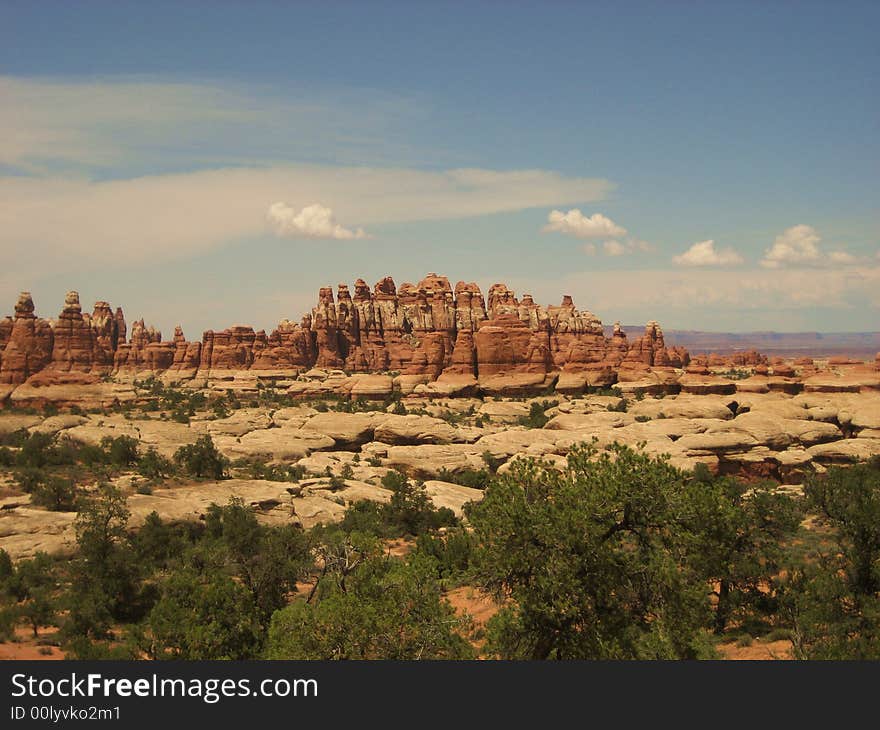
(714,166)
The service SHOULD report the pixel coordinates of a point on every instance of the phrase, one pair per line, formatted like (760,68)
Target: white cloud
(799,246)
(575,223)
(704,253)
(796,245)
(313,221)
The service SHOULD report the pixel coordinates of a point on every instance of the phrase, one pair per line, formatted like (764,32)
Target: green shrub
(14,438)
(121,451)
(30,478)
(153,465)
(364,516)
(56,494)
(452,551)
(379,609)
(537,418)
(336,483)
(180,415)
(491,461)
(8,620)
(473,478)
(271,472)
(36,450)
(201,459)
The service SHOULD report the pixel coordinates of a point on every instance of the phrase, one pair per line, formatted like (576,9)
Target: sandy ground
(477,604)
(759,650)
(27,647)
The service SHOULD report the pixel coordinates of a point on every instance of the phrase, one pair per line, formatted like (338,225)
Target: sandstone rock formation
(25,343)
(432,338)
(426,329)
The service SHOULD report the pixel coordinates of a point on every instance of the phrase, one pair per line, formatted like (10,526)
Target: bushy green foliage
(158,544)
(7,569)
(383,608)
(158,396)
(30,478)
(153,465)
(43,450)
(336,483)
(735,535)
(537,418)
(201,459)
(833,601)
(267,562)
(602,390)
(408,512)
(364,516)
(16,439)
(589,559)
(491,461)
(271,472)
(618,556)
(56,494)
(473,478)
(106,576)
(399,409)
(453,418)
(735,374)
(452,551)
(202,617)
(121,451)
(29,587)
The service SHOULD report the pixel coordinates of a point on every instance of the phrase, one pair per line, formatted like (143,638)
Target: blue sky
(146,142)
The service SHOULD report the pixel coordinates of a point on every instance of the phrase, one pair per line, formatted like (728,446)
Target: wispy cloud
(62,222)
(104,126)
